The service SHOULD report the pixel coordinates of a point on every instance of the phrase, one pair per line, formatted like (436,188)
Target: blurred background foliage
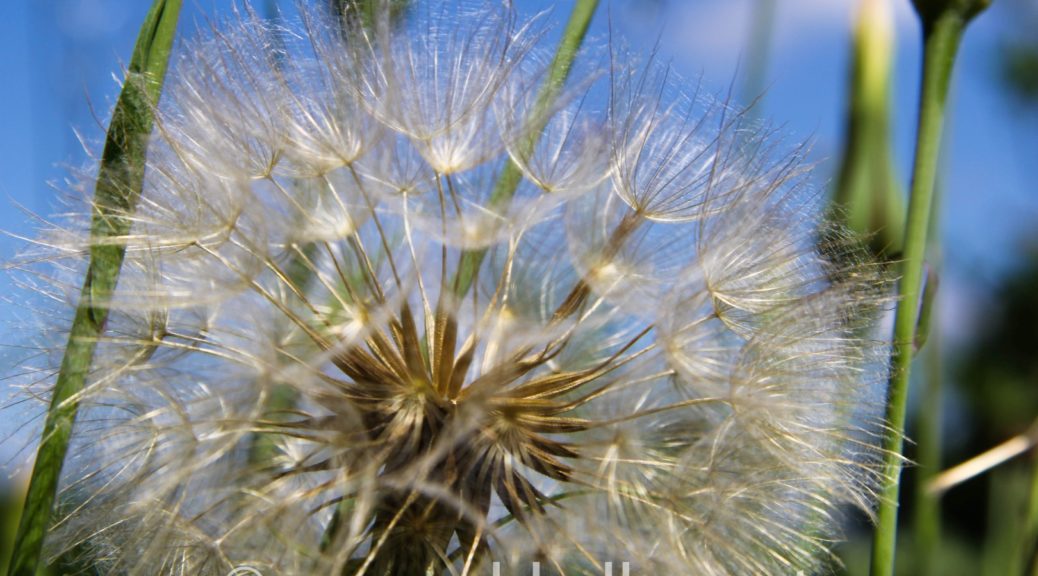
(1018,58)
(987,525)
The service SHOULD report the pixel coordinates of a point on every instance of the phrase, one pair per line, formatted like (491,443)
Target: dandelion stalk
(943,23)
(118,188)
(572,38)
(762,28)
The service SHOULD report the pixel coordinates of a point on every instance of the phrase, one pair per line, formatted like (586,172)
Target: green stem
(942,31)
(118,188)
(504,189)
(762,27)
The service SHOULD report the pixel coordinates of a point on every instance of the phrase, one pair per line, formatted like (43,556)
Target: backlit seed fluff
(343,344)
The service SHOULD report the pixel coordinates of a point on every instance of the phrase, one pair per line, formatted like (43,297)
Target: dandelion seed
(659,362)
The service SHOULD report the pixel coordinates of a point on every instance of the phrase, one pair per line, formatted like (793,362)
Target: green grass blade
(118,188)
(504,189)
(758,49)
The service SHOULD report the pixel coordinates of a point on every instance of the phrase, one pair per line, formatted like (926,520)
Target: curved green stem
(118,188)
(508,182)
(943,23)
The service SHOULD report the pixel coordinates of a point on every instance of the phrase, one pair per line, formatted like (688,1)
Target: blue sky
(60,60)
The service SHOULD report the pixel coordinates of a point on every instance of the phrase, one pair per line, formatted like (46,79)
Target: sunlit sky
(61,58)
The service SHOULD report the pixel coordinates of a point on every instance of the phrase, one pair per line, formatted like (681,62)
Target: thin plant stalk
(943,23)
(508,181)
(118,189)
(762,28)
(985,462)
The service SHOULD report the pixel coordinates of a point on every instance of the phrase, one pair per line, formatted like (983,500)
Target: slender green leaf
(508,182)
(758,48)
(118,188)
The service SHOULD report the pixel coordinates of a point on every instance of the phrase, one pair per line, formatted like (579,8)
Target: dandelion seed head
(386,311)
